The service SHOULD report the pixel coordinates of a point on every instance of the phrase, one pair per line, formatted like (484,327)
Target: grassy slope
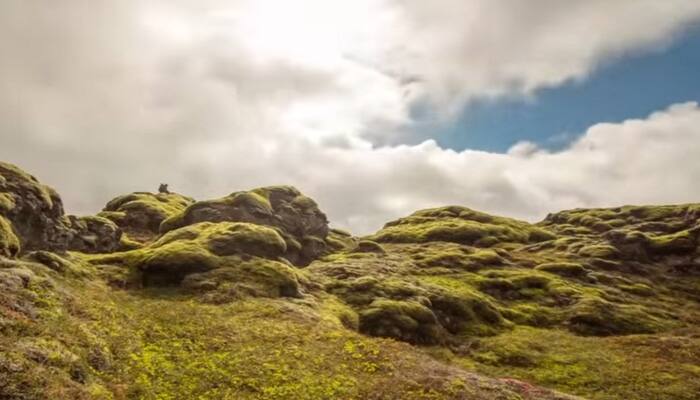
(90,341)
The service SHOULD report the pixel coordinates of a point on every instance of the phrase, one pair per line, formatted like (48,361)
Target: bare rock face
(296,217)
(33,213)
(94,235)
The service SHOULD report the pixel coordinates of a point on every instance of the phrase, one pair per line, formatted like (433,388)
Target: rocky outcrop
(140,214)
(33,213)
(296,217)
(34,210)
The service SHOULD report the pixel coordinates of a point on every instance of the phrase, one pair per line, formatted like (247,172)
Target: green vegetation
(141,214)
(630,367)
(9,243)
(563,268)
(253,296)
(459,225)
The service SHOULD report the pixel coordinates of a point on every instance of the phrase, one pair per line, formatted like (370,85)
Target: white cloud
(104,97)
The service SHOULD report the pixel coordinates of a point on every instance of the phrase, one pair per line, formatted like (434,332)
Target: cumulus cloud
(104,97)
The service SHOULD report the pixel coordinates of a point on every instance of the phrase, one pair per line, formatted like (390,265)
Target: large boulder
(296,217)
(92,234)
(34,210)
(140,214)
(33,213)
(228,259)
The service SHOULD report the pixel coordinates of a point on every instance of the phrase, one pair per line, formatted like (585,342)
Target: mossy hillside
(469,299)
(459,225)
(140,214)
(637,367)
(94,342)
(224,315)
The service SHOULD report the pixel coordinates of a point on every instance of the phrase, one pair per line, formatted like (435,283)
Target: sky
(375,108)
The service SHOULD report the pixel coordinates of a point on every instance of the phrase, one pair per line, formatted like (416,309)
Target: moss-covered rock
(303,226)
(94,235)
(252,278)
(368,246)
(409,321)
(339,240)
(9,243)
(140,214)
(563,268)
(34,210)
(595,316)
(459,225)
(241,254)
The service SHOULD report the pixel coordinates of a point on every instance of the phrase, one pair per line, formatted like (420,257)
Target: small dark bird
(163,188)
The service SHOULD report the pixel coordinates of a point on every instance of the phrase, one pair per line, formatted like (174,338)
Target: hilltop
(255,296)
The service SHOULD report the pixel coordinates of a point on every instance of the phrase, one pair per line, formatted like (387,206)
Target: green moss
(200,248)
(563,268)
(10,172)
(639,289)
(9,243)
(683,241)
(632,368)
(7,202)
(448,258)
(531,314)
(339,313)
(368,246)
(486,257)
(459,225)
(599,251)
(252,278)
(595,316)
(339,240)
(404,320)
(461,309)
(140,214)
(252,199)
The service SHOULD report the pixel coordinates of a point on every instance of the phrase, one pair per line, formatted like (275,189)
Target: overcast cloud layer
(99,98)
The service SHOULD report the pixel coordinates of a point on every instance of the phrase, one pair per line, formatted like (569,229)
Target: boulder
(296,217)
(34,210)
(140,214)
(33,213)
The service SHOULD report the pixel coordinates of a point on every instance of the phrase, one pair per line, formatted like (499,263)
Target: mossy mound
(247,278)
(235,258)
(460,225)
(368,246)
(595,316)
(140,214)
(298,218)
(409,321)
(339,240)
